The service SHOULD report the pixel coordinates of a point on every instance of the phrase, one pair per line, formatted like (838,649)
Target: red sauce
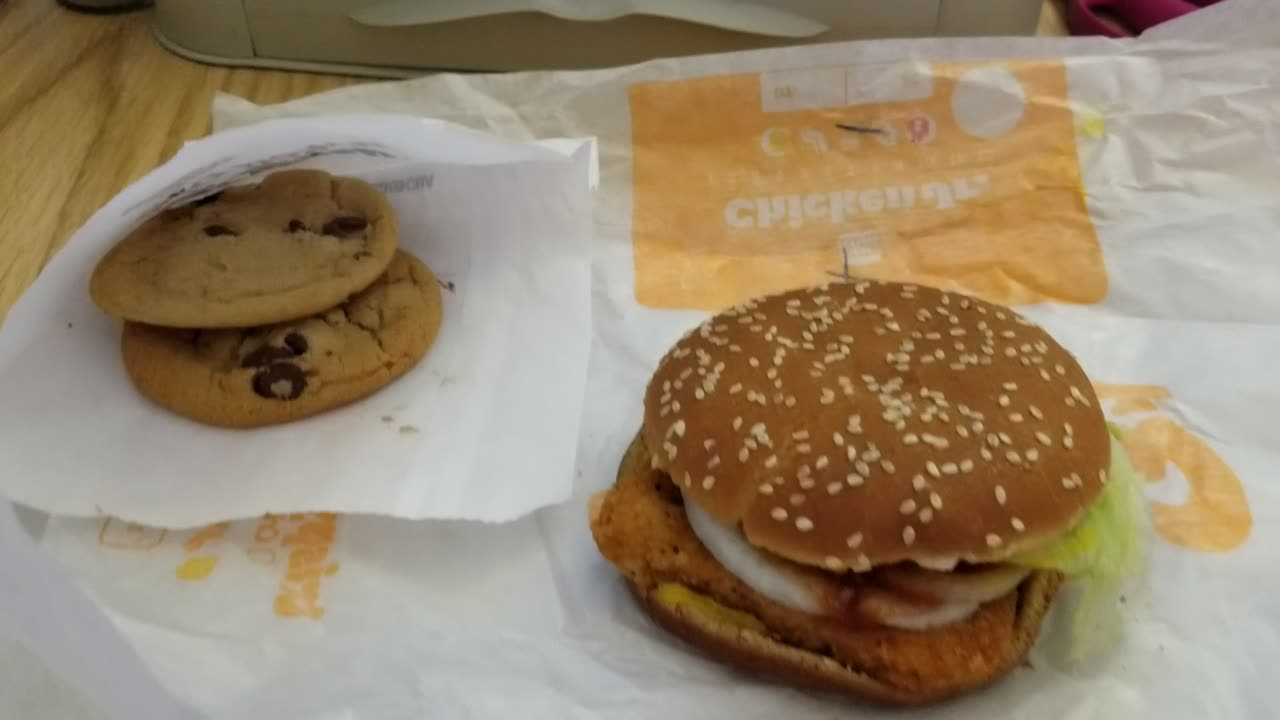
(846,601)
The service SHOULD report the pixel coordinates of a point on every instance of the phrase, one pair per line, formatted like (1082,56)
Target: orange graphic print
(1216,516)
(960,175)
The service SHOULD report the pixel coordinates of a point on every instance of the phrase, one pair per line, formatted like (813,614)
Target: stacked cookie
(269,303)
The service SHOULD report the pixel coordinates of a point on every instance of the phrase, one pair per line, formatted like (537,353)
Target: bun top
(865,423)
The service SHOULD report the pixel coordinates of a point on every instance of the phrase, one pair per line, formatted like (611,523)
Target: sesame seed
(907,507)
(853,541)
(675,406)
(994,540)
(771,461)
(737,423)
(821,462)
(828,396)
(1059,369)
(926,515)
(713,462)
(708,482)
(1004,438)
(1018,524)
(778,514)
(1102,477)
(791,401)
(800,435)
(910,439)
(919,483)
(766,489)
(807,483)
(985,453)
(1004,401)
(938,442)
(1075,393)
(935,500)
(949,468)
(908,535)
(863,468)
(888,466)
(834,488)
(966,465)
(1013,456)
(932,467)
(699,394)
(1068,442)
(1035,412)
(837,438)
(854,479)
(852,452)
(803,448)
(1001,495)
(833,563)
(688,480)
(1033,454)
(797,498)
(743,454)
(1015,417)
(753,362)
(804,524)
(1044,438)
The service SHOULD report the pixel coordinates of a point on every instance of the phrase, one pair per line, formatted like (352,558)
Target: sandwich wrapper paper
(1121,193)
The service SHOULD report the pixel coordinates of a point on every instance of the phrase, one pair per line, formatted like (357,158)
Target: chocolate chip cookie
(288,371)
(297,243)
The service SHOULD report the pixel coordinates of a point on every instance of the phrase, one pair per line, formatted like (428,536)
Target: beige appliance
(397,38)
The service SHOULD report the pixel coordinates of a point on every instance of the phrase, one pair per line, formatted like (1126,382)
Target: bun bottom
(639,525)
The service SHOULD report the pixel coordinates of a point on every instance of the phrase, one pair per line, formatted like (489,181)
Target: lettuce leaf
(1105,548)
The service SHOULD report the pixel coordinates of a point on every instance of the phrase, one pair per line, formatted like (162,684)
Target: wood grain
(89,103)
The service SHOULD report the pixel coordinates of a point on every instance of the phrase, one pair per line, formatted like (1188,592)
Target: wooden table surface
(83,114)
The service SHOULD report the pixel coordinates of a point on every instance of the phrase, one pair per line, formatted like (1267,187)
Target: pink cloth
(1125,18)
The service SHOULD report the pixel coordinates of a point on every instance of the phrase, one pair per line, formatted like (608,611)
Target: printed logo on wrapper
(961,175)
(297,546)
(1215,516)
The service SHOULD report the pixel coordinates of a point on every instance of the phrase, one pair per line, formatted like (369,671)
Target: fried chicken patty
(641,528)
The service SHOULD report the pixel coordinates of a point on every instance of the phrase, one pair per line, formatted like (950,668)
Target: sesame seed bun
(640,526)
(867,423)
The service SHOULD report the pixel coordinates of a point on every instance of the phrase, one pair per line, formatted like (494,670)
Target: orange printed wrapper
(962,175)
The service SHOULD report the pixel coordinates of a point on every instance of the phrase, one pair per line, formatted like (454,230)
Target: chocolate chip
(280,381)
(296,342)
(345,225)
(265,355)
(216,230)
(207,199)
(295,225)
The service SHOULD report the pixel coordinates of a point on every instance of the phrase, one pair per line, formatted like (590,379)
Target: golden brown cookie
(295,244)
(288,371)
